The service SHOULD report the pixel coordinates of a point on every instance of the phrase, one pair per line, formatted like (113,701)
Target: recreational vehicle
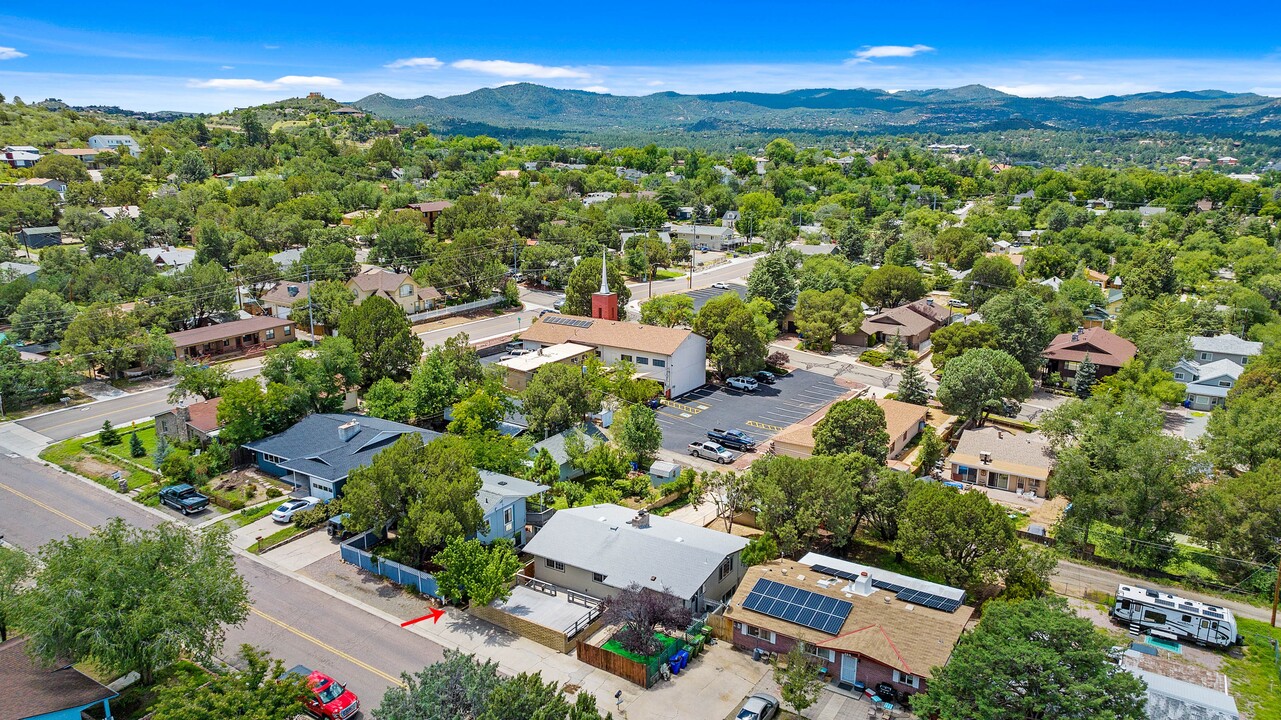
(1174,618)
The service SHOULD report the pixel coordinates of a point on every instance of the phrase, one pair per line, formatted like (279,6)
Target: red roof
(204,415)
(1104,348)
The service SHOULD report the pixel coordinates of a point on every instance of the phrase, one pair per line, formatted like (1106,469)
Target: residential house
(168,257)
(53,184)
(59,691)
(1224,347)
(190,422)
(280,299)
(1207,383)
(675,357)
(712,237)
(602,549)
(1179,690)
(1228,160)
(866,626)
(40,237)
(115,143)
(1096,278)
(88,156)
(235,337)
(32,149)
(399,288)
(629,174)
(10,271)
(317,453)
(912,323)
(287,258)
(17,157)
(730,219)
(520,369)
(347,111)
(589,435)
(1018,260)
(597,197)
(503,499)
(903,422)
(115,212)
(430,211)
(994,457)
(1106,350)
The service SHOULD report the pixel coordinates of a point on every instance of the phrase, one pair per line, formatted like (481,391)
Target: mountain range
(526,111)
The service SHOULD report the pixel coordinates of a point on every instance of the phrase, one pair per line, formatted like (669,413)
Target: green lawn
(146,433)
(618,649)
(74,456)
(249,515)
(282,534)
(1255,679)
(668,274)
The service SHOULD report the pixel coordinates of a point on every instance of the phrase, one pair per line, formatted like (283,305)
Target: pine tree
(896,350)
(162,450)
(912,388)
(136,448)
(1086,377)
(108,436)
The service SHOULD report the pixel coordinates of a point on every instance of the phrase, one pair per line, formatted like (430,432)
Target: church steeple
(604,303)
(604,277)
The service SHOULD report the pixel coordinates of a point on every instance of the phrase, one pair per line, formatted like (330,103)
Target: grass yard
(668,274)
(1256,682)
(280,535)
(253,514)
(146,434)
(74,456)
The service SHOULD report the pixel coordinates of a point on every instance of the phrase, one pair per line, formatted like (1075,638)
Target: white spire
(604,278)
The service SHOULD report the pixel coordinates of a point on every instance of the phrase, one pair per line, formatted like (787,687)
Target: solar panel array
(562,320)
(795,605)
(906,594)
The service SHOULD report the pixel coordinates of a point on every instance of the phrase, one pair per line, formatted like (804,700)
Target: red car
(328,698)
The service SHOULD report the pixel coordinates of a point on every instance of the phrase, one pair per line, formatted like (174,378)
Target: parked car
(721,285)
(337,526)
(558,305)
(711,451)
(765,376)
(736,439)
(183,498)
(327,697)
(703,248)
(515,354)
(958,303)
(285,513)
(738,382)
(758,707)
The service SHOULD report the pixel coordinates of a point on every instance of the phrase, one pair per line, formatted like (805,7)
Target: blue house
(317,453)
(61,692)
(502,497)
(590,435)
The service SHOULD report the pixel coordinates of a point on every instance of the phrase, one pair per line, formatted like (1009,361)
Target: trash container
(756,654)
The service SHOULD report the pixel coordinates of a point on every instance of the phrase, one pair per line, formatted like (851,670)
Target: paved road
(293,620)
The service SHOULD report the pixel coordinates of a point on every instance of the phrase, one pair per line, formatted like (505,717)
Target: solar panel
(797,605)
(570,321)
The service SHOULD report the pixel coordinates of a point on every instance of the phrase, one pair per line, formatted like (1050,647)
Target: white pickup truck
(711,451)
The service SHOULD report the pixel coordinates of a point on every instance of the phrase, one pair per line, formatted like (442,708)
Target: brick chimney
(348,430)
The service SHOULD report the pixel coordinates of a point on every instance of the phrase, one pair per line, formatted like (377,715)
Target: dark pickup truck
(183,498)
(733,439)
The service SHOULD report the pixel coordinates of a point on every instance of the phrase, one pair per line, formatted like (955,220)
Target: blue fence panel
(355,552)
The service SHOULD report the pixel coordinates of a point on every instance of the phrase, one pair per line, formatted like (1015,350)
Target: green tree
(108,436)
(821,315)
(324,373)
(400,241)
(953,340)
(1022,326)
(249,412)
(327,302)
(60,167)
(252,127)
(797,497)
(262,690)
(754,210)
(1029,660)
(896,351)
(136,448)
(476,573)
(853,426)
(641,611)
(194,380)
(963,539)
(930,449)
(1086,377)
(106,336)
(798,678)
(389,400)
(979,381)
(381,336)
(773,279)
(133,599)
(760,550)
(1135,377)
(41,317)
(738,333)
(1151,272)
(557,398)
(890,286)
(668,310)
(192,168)
(989,277)
(638,434)
(480,412)
(544,470)
(16,568)
(1239,516)
(780,151)
(912,388)
(584,282)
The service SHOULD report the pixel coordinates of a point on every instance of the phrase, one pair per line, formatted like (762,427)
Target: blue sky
(212,56)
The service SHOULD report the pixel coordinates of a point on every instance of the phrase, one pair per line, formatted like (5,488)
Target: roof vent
(862,585)
(502,482)
(985,456)
(642,520)
(292,290)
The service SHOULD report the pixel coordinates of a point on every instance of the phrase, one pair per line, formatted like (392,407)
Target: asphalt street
(294,620)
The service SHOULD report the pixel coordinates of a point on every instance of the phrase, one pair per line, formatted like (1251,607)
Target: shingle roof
(494,487)
(279,293)
(1017,453)
(433,206)
(1227,344)
(1104,348)
(203,416)
(896,634)
(907,319)
(668,555)
(30,690)
(314,446)
(900,417)
(235,328)
(379,280)
(609,333)
(555,445)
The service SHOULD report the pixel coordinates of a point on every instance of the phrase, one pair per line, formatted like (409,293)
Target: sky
(208,57)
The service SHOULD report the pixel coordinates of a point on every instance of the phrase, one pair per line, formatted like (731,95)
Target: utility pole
(311,322)
(1276,592)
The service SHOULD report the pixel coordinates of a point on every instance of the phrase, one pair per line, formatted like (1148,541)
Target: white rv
(1175,618)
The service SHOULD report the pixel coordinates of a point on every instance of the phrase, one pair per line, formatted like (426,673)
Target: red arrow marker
(433,615)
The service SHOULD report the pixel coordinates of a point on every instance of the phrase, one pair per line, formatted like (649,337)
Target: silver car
(758,707)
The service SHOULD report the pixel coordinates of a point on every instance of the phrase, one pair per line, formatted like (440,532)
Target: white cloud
(270,47)
(8,53)
(874,52)
(598,89)
(507,68)
(430,63)
(655,83)
(277,84)
(228,67)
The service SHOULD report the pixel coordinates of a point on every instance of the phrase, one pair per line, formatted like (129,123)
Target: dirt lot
(91,466)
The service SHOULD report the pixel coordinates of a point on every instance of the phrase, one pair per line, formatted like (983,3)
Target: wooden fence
(614,664)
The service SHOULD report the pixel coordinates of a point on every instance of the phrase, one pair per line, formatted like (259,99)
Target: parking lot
(761,414)
(702,296)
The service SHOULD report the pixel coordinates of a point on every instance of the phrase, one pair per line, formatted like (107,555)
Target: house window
(642,360)
(322,487)
(727,567)
(271,334)
(225,343)
(908,680)
(1178,376)
(556,565)
(598,577)
(627,358)
(508,516)
(758,633)
(1205,356)
(1071,366)
(405,290)
(289,329)
(660,363)
(1225,383)
(274,459)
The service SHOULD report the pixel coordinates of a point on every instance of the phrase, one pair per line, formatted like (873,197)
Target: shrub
(875,358)
(274,492)
(250,491)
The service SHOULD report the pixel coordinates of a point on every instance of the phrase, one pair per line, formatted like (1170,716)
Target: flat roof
(550,354)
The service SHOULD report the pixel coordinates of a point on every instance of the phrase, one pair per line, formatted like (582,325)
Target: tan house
(903,422)
(196,422)
(520,369)
(430,211)
(399,288)
(232,338)
(998,458)
(913,323)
